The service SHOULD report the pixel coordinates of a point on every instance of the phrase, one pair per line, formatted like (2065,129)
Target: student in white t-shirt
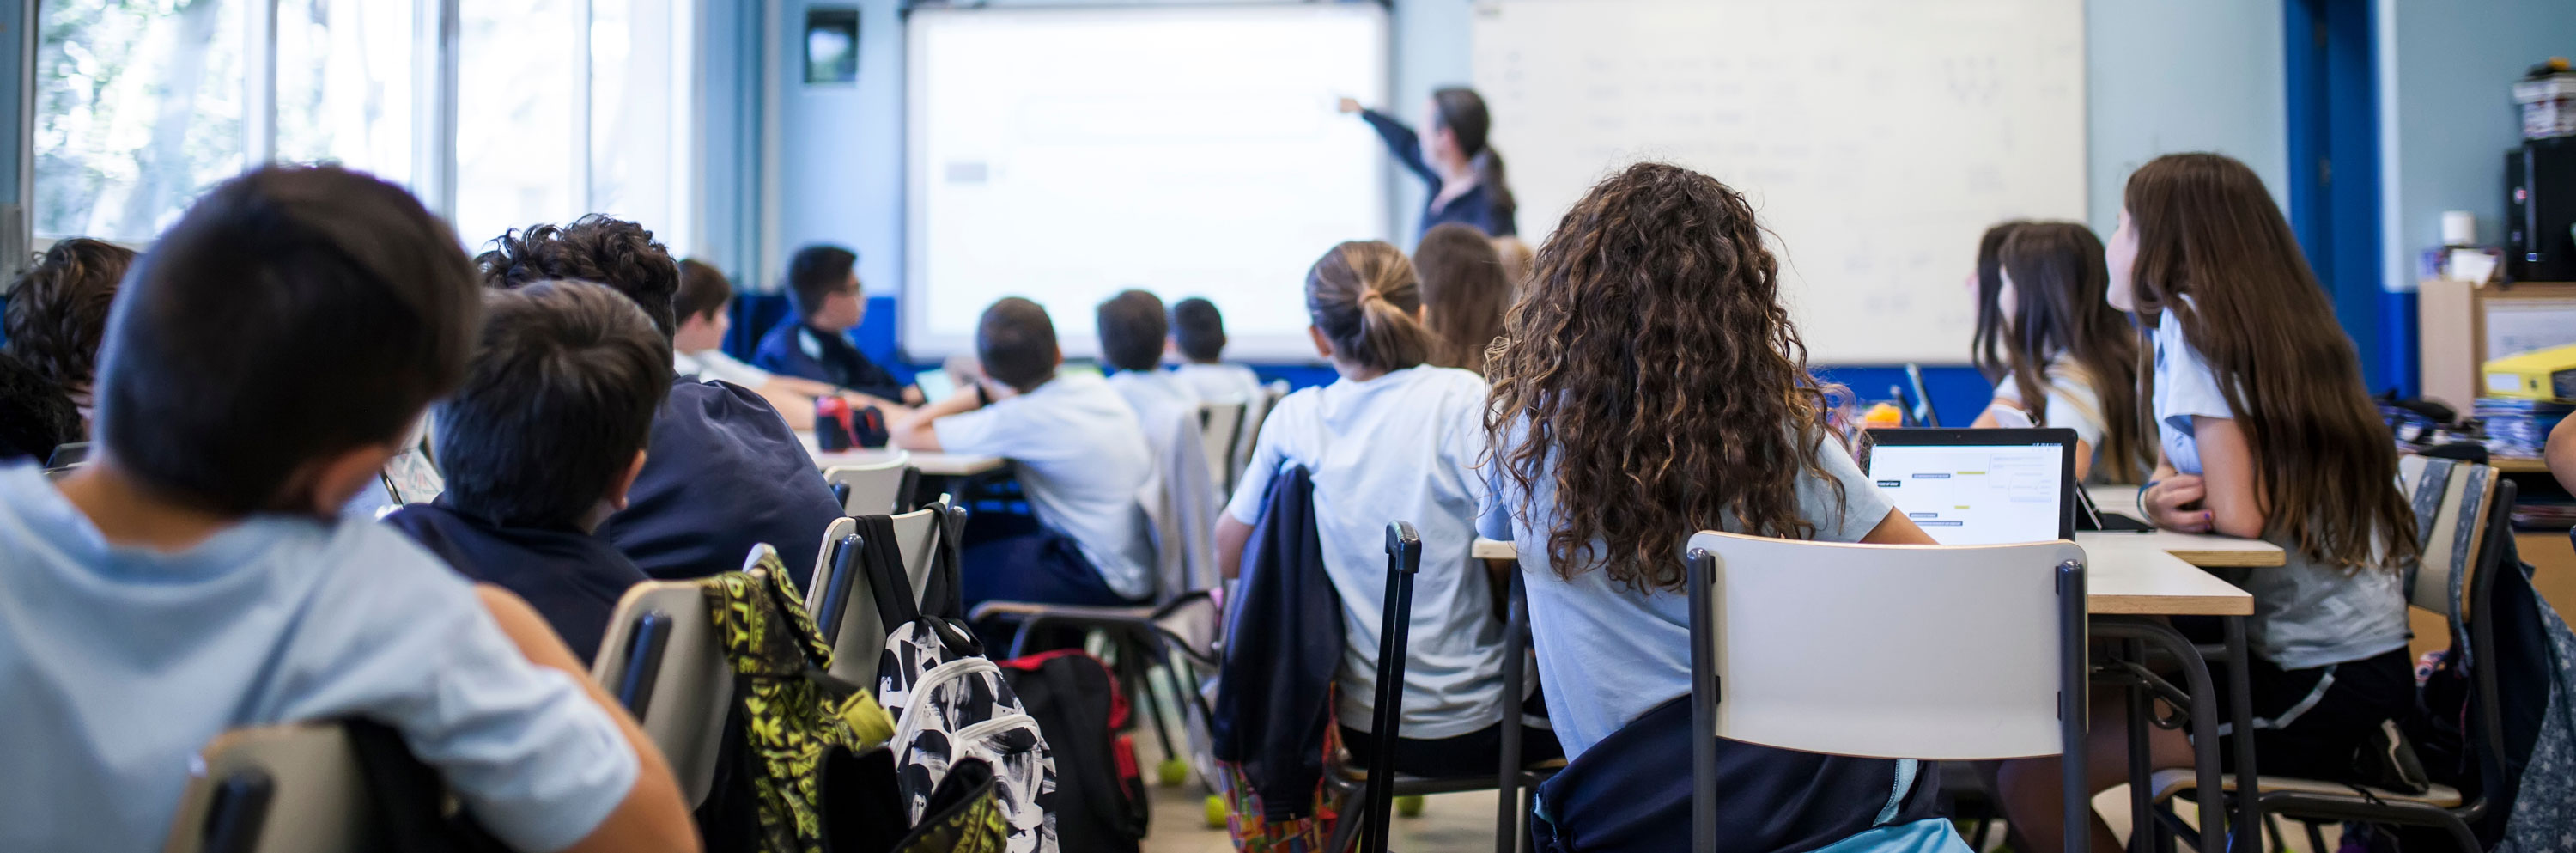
(1198,333)
(1132,330)
(1393,439)
(704,305)
(2267,432)
(2059,355)
(1081,459)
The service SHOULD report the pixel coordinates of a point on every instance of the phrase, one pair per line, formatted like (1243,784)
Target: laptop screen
(1963,490)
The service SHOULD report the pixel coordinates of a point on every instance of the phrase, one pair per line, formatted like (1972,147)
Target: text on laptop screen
(1974,495)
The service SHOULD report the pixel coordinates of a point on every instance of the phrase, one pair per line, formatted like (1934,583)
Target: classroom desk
(2141,574)
(2199,549)
(930,464)
(2131,580)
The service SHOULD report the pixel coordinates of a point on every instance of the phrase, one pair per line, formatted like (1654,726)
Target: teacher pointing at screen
(1464,173)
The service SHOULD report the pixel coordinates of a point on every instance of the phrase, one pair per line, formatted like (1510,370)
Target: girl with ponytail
(1393,438)
(1455,158)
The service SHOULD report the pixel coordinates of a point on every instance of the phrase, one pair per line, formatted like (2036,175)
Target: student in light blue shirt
(1651,386)
(261,364)
(2267,432)
(1198,334)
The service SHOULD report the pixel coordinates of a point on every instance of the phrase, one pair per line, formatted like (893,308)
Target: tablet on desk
(934,384)
(1979,486)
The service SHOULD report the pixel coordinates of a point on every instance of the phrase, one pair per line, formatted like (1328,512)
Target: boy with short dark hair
(1081,457)
(814,343)
(722,471)
(1132,328)
(697,348)
(261,364)
(1198,331)
(540,445)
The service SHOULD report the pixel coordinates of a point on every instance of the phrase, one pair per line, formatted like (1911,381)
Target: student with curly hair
(57,313)
(722,472)
(1650,387)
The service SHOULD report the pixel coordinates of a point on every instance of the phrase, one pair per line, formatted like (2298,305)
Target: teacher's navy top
(1473,207)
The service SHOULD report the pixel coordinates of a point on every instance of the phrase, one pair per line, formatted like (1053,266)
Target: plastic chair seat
(2168,783)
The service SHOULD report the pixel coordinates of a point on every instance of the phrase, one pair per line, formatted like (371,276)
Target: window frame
(435,49)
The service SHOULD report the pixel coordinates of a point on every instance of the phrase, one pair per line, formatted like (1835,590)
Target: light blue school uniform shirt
(119,664)
(1609,653)
(1082,460)
(1402,446)
(2306,613)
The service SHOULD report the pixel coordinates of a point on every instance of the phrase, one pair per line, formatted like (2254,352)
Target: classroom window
(345,85)
(138,109)
(141,105)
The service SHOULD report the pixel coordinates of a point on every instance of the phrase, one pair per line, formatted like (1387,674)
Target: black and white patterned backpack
(949,701)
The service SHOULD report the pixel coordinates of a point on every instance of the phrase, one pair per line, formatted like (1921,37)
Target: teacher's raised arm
(1463,173)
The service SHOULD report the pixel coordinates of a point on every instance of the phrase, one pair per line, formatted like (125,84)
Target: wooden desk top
(2199,549)
(2125,574)
(931,464)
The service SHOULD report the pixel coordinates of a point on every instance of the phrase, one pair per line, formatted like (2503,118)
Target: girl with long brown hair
(2061,356)
(2266,432)
(1651,386)
(1464,292)
(1394,438)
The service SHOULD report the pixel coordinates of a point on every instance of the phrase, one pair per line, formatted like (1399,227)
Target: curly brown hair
(1652,375)
(596,248)
(57,312)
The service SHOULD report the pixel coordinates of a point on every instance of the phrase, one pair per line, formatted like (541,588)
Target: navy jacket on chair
(1632,792)
(795,349)
(1274,696)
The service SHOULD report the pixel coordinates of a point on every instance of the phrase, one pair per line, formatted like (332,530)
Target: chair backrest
(2450,498)
(1220,428)
(1859,649)
(294,788)
(1254,412)
(662,659)
(873,488)
(860,635)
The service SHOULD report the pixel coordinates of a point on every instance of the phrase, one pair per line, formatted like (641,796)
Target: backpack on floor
(951,704)
(1100,796)
(809,751)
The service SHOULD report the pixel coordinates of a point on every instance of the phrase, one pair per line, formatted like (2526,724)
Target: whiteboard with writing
(1876,139)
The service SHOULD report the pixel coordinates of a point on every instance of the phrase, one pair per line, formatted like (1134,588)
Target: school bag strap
(892,589)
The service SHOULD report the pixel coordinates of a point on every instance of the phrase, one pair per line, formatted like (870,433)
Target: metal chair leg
(1346,830)
(2316,838)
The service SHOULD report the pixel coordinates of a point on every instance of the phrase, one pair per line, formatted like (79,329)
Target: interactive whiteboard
(1064,155)
(1876,138)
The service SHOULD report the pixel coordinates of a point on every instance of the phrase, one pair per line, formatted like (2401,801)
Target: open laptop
(1980,486)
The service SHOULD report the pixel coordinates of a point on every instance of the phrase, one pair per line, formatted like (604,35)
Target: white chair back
(298,787)
(1220,427)
(1860,649)
(876,487)
(861,635)
(662,659)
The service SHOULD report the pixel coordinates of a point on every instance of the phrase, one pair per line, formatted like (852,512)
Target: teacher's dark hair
(1462,111)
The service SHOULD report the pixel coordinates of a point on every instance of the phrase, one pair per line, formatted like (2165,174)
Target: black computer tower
(2540,210)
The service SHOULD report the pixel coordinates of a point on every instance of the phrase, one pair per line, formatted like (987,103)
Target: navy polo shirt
(721,474)
(571,577)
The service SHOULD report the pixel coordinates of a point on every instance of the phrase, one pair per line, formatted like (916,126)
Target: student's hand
(1348,105)
(912,395)
(2175,503)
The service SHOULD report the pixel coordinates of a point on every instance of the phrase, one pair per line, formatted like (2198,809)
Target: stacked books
(2519,427)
